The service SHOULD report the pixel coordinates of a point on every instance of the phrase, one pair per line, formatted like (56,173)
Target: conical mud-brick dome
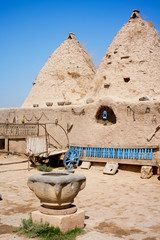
(131,65)
(65,78)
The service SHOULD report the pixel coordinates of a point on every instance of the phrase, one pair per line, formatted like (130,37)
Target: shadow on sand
(2,164)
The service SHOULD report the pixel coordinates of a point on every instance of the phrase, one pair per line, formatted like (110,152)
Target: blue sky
(31,30)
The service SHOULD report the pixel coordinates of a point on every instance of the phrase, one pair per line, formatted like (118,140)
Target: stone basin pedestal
(56,192)
(64,222)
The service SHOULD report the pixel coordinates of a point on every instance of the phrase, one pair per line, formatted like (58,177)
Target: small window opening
(127,79)
(147,110)
(106,85)
(124,57)
(134,15)
(71,36)
(105,115)
(108,55)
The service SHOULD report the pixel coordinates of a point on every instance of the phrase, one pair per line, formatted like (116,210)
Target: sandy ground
(121,206)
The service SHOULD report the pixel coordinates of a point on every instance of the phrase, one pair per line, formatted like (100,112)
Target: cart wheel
(71,159)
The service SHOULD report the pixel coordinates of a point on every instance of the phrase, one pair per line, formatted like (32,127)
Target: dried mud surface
(122,206)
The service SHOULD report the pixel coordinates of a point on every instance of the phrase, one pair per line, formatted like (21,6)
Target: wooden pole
(6,144)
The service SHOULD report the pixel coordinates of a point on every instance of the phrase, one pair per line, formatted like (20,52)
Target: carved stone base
(64,222)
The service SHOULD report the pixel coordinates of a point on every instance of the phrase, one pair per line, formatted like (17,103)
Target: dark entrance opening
(2,144)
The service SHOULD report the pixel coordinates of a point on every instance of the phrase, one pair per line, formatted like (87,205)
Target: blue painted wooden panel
(120,153)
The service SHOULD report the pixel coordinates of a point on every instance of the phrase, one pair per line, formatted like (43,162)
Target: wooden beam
(120,161)
(6,144)
(119,146)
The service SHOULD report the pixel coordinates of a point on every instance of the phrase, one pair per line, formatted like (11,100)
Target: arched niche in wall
(105,115)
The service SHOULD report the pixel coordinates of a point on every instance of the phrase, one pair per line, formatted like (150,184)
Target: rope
(29,120)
